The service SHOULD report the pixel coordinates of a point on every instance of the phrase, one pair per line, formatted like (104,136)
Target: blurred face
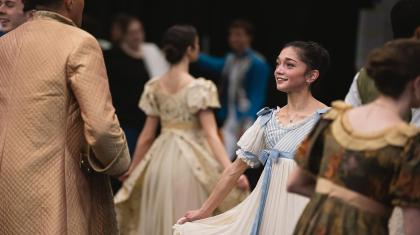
(134,35)
(239,40)
(194,51)
(291,72)
(115,33)
(11,14)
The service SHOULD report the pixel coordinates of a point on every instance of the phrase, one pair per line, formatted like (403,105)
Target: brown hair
(176,41)
(394,65)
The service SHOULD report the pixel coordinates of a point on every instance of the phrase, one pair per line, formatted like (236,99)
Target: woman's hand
(193,215)
(243,183)
(124,176)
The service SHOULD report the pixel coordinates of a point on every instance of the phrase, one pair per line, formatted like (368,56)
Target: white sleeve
(353,97)
(250,144)
(154,59)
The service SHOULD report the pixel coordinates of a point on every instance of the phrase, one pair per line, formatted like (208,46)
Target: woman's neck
(400,107)
(299,101)
(180,68)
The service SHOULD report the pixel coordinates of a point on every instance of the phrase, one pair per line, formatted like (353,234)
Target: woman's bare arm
(223,187)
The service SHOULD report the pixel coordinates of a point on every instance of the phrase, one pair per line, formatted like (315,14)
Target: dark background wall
(331,23)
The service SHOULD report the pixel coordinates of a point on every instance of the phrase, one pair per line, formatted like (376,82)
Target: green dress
(383,166)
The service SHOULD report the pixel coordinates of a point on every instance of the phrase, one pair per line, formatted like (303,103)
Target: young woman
(176,171)
(272,140)
(357,164)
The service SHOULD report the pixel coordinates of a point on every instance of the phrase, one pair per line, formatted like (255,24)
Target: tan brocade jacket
(54,98)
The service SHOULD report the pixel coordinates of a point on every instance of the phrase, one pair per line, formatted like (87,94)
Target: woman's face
(290,73)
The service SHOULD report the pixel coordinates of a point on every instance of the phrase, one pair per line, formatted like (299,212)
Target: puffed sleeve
(202,95)
(148,102)
(308,155)
(405,185)
(252,141)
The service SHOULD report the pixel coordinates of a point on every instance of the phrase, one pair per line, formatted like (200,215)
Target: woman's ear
(312,76)
(190,51)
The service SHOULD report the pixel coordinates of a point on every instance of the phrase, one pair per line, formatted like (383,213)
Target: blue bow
(267,157)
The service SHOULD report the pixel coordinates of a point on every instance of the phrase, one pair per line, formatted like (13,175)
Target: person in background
(128,72)
(13,13)
(405,22)
(244,75)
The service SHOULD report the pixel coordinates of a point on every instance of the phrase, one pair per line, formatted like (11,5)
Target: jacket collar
(53,16)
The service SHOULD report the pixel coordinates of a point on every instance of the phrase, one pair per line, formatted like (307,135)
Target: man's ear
(68,4)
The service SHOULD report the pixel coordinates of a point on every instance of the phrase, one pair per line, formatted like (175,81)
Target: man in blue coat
(243,84)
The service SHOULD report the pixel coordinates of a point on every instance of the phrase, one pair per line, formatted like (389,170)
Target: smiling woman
(272,141)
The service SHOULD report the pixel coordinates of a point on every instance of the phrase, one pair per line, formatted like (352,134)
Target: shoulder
(337,109)
(265,111)
(85,39)
(202,83)
(152,83)
(265,115)
(403,134)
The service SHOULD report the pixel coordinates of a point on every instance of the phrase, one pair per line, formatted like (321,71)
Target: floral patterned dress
(179,171)
(383,166)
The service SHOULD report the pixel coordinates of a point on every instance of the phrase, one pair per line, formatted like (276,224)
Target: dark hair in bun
(394,65)
(313,55)
(176,41)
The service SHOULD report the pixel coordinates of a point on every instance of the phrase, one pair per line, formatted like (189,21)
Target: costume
(54,101)
(269,209)
(360,177)
(363,91)
(178,172)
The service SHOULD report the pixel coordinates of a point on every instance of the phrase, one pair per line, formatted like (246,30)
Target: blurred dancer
(243,84)
(130,64)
